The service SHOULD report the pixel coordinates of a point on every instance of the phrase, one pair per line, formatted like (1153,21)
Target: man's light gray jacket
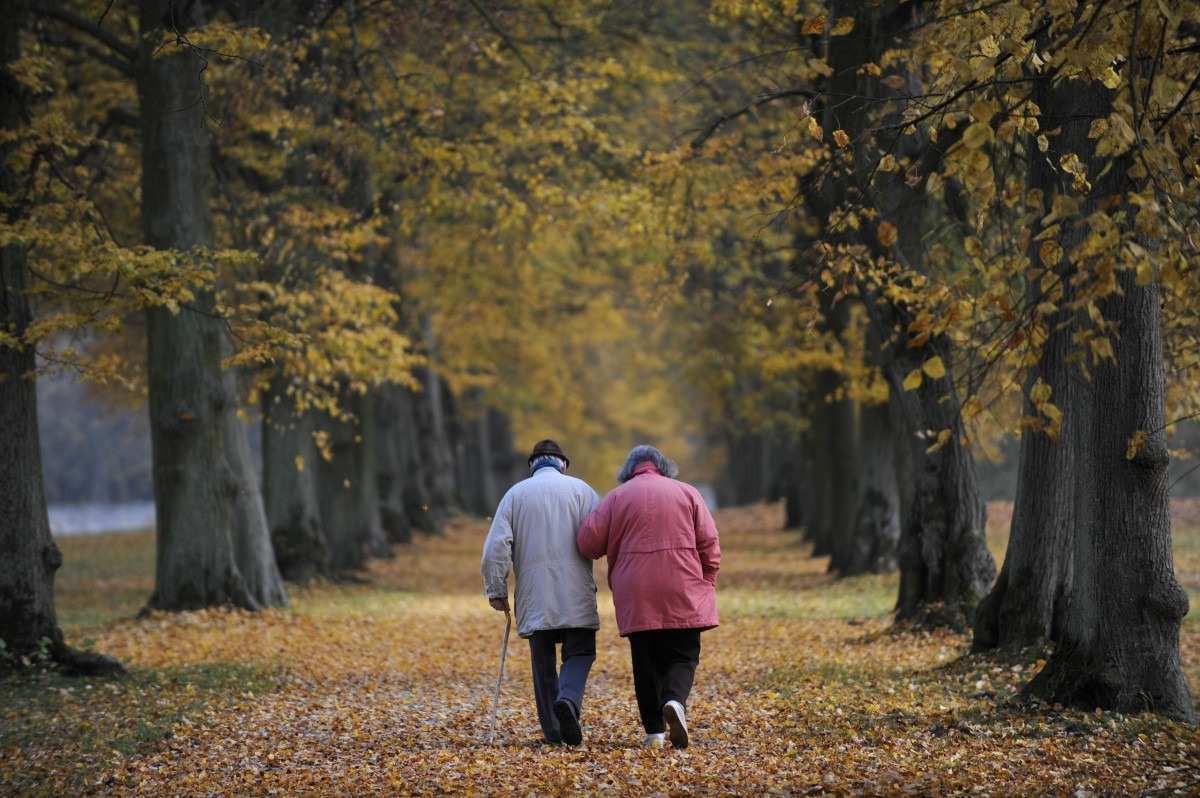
(533,531)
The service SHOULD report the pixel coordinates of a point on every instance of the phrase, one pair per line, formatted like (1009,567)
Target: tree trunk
(506,465)
(290,464)
(945,565)
(822,518)
(434,446)
(871,545)
(417,500)
(1027,604)
(27,617)
(795,475)
(391,466)
(213,545)
(348,488)
(476,478)
(1119,647)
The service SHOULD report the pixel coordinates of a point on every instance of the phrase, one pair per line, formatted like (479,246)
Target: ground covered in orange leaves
(384,687)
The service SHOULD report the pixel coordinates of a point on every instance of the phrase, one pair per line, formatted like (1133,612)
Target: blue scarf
(547,461)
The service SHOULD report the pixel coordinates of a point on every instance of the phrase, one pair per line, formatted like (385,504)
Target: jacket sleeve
(592,538)
(497,551)
(707,543)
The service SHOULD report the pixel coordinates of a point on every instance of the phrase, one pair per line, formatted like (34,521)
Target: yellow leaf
(943,437)
(977,135)
(913,380)
(299,462)
(886,233)
(814,26)
(1039,394)
(1050,253)
(840,137)
(1136,441)
(842,26)
(1110,78)
(934,367)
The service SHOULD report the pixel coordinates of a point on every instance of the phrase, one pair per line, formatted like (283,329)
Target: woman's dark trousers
(664,664)
(550,683)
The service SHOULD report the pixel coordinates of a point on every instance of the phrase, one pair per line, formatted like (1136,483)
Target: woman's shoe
(655,740)
(676,721)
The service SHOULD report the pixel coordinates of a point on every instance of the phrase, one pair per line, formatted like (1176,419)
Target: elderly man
(533,532)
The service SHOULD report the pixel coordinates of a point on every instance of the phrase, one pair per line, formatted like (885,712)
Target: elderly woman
(663,558)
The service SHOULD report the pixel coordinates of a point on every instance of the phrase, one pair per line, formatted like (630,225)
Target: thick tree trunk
(27,617)
(1119,647)
(349,488)
(871,545)
(213,543)
(30,556)
(290,465)
(1027,604)
(945,565)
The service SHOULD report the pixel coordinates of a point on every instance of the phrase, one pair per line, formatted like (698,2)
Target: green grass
(103,578)
(841,599)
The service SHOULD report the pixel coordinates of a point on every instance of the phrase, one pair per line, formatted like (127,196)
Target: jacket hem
(666,627)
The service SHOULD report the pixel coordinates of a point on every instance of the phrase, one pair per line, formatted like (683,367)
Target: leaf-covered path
(385,687)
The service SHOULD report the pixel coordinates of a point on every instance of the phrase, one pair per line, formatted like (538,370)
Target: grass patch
(103,577)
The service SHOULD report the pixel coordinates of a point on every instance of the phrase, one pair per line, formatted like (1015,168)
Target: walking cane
(500,678)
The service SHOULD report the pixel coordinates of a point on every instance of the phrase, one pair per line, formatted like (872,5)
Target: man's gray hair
(646,454)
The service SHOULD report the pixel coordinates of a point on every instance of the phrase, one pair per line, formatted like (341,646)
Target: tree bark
(28,621)
(945,565)
(1119,647)
(391,466)
(1028,602)
(213,543)
(290,465)
(870,546)
(434,446)
(348,488)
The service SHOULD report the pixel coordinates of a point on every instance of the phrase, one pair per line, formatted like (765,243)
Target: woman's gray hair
(646,454)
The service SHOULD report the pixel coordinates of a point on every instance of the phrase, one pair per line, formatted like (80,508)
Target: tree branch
(1162,123)
(759,101)
(115,43)
(508,42)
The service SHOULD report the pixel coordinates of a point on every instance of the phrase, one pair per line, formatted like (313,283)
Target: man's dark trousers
(664,665)
(550,683)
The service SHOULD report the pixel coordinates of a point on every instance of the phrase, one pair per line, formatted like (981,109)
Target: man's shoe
(655,740)
(676,721)
(568,722)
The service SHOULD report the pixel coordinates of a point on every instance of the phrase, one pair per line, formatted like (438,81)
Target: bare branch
(83,25)
(758,102)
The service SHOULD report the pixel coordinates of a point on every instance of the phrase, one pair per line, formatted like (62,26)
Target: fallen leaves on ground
(385,688)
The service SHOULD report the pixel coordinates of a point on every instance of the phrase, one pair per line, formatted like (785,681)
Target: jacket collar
(645,467)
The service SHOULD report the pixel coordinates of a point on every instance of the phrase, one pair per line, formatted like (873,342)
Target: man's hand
(499,604)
